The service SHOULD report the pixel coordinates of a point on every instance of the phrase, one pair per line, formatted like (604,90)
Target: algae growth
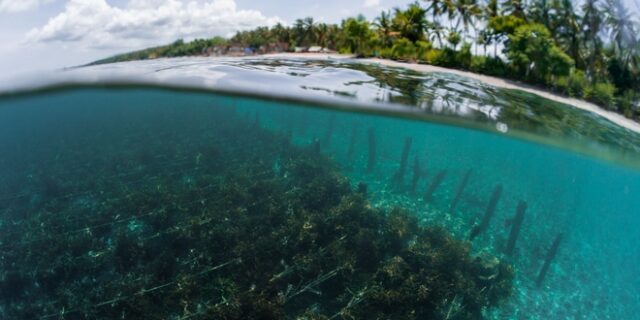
(138,210)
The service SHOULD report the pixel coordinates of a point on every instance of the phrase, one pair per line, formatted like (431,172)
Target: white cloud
(20,5)
(371,3)
(95,23)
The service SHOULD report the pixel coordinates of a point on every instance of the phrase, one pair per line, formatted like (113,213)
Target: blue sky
(47,34)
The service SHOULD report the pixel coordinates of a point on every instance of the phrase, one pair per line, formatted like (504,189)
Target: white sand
(497,82)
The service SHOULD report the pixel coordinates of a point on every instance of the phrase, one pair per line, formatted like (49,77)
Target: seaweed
(231,222)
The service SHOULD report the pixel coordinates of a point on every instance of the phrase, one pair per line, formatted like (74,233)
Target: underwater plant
(215,217)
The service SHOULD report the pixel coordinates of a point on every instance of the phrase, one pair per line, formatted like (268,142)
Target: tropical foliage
(589,51)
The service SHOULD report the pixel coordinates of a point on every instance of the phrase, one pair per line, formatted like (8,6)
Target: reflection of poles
(461,187)
(372,150)
(491,208)
(398,178)
(515,228)
(547,262)
(434,185)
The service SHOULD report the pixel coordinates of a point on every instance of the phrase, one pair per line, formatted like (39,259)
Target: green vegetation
(591,51)
(176,49)
(214,217)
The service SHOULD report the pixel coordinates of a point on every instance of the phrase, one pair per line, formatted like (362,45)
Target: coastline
(493,81)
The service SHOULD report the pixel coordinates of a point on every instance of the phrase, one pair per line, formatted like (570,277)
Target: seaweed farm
(155,203)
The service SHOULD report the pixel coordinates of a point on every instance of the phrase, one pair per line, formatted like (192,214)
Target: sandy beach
(494,81)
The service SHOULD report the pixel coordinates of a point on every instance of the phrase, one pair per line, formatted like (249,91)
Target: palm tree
(489,12)
(467,11)
(411,23)
(299,32)
(437,32)
(309,30)
(514,8)
(384,27)
(357,34)
(435,28)
(540,11)
(452,13)
(592,20)
(333,36)
(437,8)
(566,30)
(280,33)
(321,31)
(622,29)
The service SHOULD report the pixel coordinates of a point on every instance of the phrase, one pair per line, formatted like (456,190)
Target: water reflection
(341,81)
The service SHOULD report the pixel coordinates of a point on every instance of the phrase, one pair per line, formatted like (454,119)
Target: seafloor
(149,204)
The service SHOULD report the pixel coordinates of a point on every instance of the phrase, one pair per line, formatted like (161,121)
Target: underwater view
(310,189)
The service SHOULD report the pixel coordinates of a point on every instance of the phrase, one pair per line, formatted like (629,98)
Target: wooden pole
(461,187)
(547,262)
(434,185)
(398,178)
(515,228)
(491,208)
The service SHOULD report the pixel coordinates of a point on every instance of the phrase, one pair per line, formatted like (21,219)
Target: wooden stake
(434,185)
(547,261)
(461,187)
(491,208)
(515,228)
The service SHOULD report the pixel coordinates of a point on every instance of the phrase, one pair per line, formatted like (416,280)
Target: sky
(48,34)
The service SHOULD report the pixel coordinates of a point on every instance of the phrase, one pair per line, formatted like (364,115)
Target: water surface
(131,201)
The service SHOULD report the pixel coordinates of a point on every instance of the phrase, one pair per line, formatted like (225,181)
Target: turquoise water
(140,203)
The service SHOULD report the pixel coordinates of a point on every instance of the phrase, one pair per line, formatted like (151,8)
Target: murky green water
(142,202)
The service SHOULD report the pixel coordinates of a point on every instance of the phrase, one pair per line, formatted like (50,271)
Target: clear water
(146,202)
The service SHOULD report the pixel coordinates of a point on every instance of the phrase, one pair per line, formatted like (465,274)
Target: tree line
(589,51)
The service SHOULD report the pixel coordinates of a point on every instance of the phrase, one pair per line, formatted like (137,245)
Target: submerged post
(417,173)
(372,150)
(491,208)
(434,185)
(516,223)
(547,262)
(461,187)
(398,178)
